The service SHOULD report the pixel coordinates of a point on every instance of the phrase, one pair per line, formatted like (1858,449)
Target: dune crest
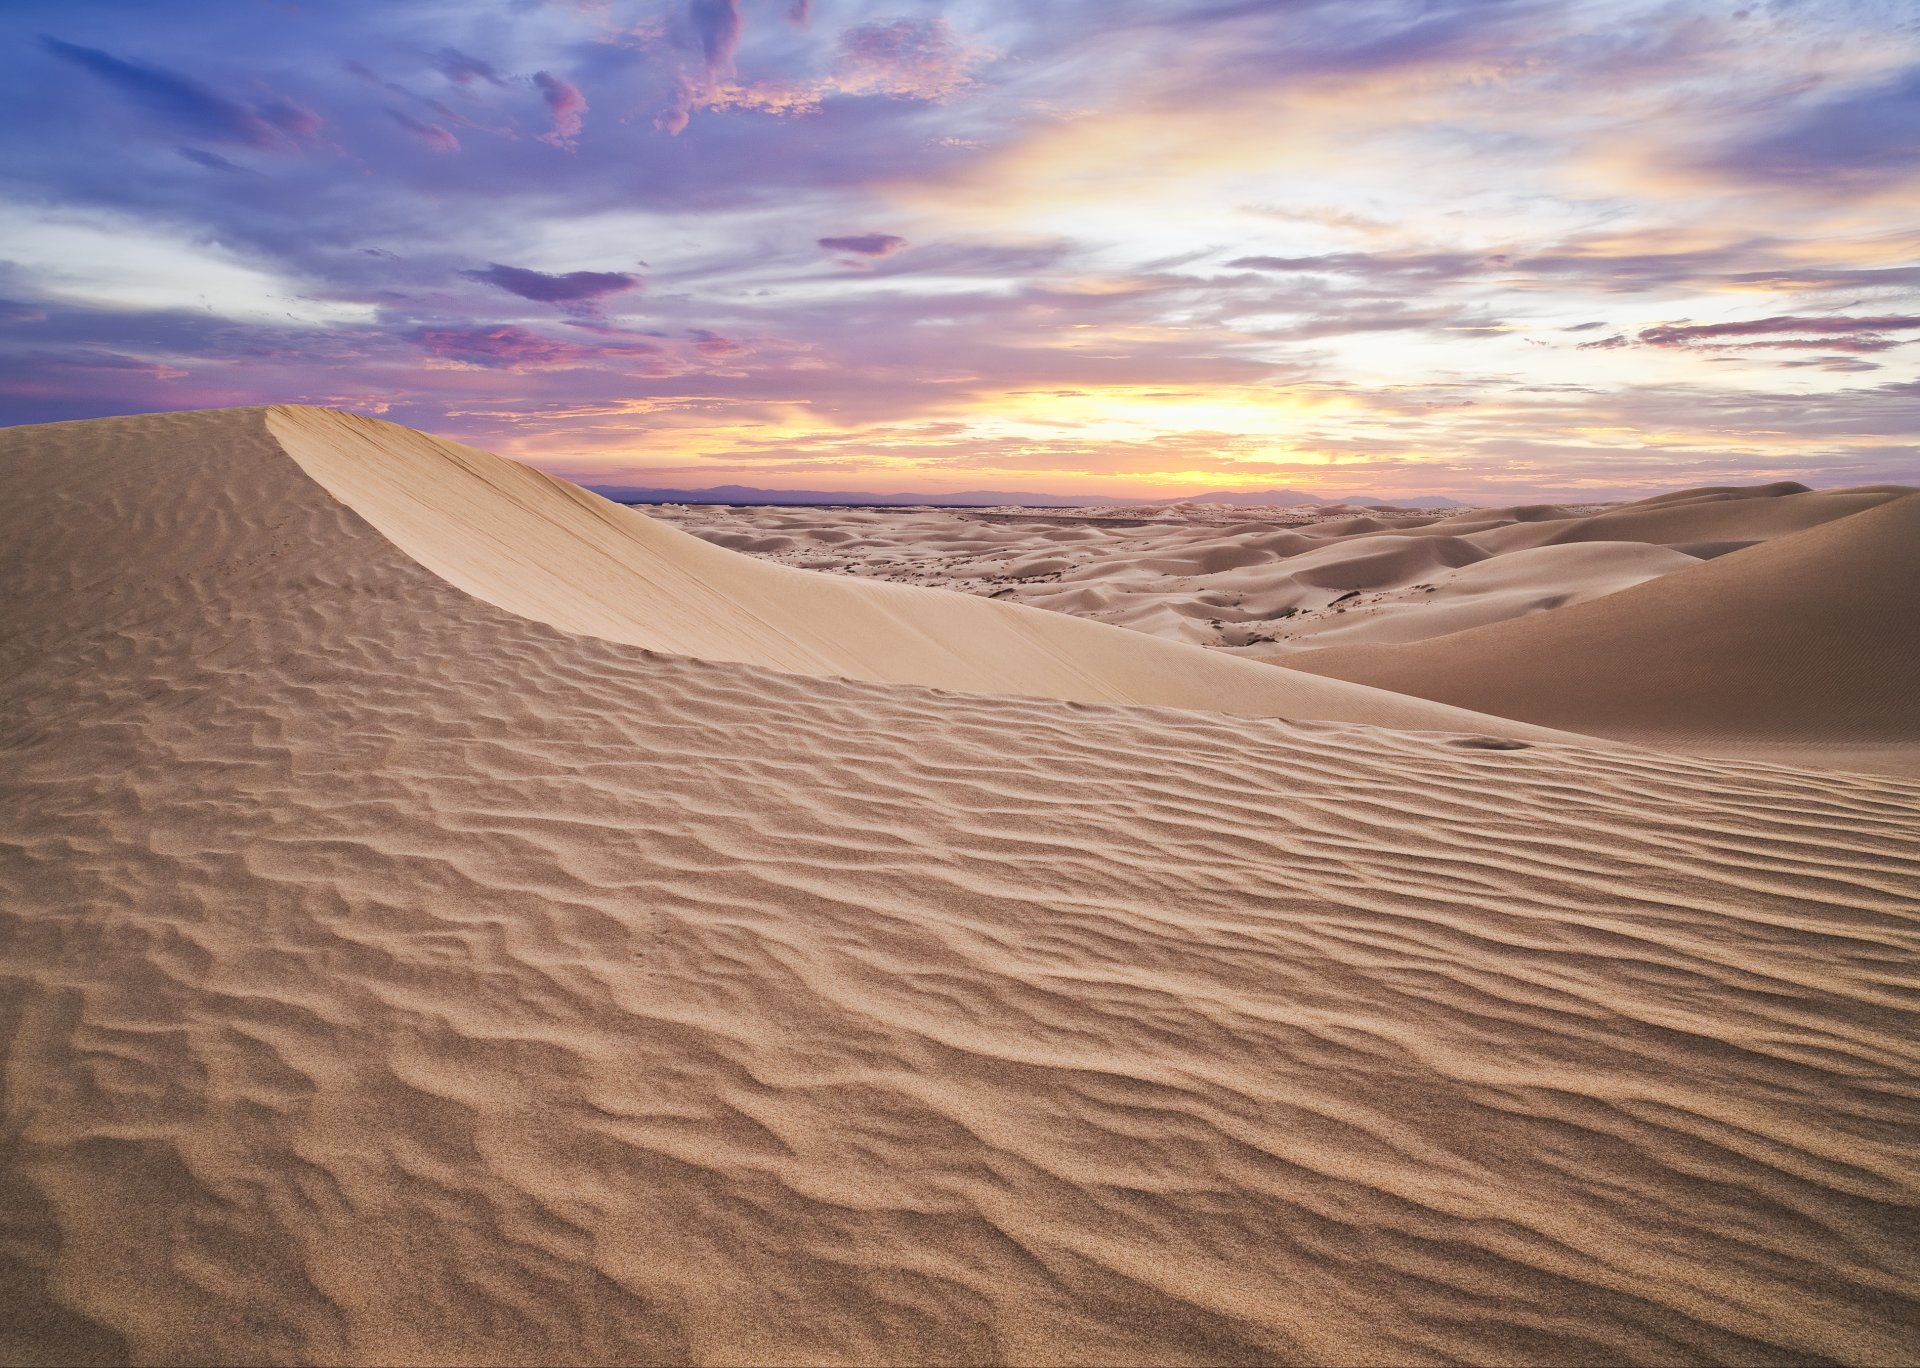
(554,552)
(388,977)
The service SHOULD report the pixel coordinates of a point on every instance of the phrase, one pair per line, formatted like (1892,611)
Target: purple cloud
(464,69)
(213,161)
(718,24)
(508,347)
(436,138)
(189,105)
(866,244)
(566,104)
(568,288)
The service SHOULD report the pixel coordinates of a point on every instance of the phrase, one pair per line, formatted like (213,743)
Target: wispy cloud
(567,106)
(865,244)
(189,106)
(431,135)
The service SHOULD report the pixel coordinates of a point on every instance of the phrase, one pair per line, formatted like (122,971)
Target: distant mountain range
(995,498)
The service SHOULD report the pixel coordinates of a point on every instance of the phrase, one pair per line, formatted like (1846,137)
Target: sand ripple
(388,978)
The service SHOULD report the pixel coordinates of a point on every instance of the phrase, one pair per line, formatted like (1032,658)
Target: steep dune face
(1808,639)
(553,552)
(387,977)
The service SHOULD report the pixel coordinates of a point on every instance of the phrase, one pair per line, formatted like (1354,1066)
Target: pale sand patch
(389,977)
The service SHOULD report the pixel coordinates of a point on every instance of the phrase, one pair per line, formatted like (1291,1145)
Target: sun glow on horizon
(1434,248)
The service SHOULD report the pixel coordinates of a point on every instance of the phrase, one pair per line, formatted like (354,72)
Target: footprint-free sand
(445,917)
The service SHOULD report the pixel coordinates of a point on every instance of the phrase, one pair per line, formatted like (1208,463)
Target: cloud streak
(866,244)
(189,106)
(569,288)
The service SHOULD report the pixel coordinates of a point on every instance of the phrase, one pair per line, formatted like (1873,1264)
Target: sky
(1481,248)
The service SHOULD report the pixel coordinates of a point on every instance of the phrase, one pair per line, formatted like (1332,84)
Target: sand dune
(386,976)
(1713,662)
(1810,640)
(1247,584)
(548,550)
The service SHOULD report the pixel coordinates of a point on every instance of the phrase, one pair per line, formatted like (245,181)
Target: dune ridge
(554,552)
(389,977)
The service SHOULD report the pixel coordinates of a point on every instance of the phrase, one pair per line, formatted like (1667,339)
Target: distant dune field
(446,917)
(1793,634)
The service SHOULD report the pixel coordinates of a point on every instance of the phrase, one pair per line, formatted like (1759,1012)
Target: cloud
(1427,266)
(1864,136)
(290,118)
(436,138)
(918,59)
(717,23)
(711,344)
(1680,335)
(1840,333)
(508,347)
(576,288)
(800,11)
(566,104)
(213,161)
(866,244)
(1840,365)
(190,106)
(464,69)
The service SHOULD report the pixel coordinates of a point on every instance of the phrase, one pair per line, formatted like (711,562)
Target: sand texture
(387,976)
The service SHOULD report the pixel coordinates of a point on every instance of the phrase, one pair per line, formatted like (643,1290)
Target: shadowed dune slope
(1811,638)
(386,977)
(556,553)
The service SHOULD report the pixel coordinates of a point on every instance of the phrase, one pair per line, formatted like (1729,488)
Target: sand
(393,977)
(1800,646)
(1264,583)
(1794,633)
(544,549)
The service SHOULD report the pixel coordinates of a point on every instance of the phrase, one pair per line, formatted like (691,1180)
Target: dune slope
(389,977)
(1809,640)
(556,553)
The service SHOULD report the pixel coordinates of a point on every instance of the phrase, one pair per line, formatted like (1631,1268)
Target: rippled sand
(391,977)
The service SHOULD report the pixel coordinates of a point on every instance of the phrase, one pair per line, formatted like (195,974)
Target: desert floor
(445,917)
